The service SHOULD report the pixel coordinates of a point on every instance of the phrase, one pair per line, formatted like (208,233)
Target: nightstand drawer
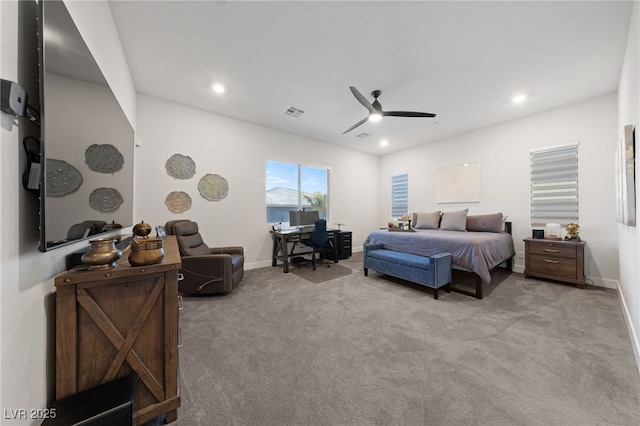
(555,260)
(554,250)
(552,265)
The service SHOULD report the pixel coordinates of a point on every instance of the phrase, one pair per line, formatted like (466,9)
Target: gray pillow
(485,223)
(426,220)
(454,221)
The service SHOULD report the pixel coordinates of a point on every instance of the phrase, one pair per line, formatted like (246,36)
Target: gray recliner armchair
(205,270)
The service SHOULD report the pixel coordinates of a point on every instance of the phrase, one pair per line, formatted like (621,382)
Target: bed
(474,248)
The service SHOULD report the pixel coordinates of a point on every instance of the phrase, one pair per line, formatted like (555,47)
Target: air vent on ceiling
(363,135)
(294,112)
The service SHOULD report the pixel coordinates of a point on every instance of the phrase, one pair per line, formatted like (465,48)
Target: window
(554,185)
(292,186)
(399,195)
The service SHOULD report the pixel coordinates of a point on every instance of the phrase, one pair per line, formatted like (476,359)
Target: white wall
(26,276)
(237,151)
(503,152)
(628,237)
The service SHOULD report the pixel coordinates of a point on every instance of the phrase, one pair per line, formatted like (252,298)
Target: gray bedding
(477,252)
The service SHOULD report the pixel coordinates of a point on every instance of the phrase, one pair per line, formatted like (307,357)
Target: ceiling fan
(376,112)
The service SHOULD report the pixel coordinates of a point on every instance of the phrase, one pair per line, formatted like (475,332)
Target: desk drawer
(553,265)
(553,250)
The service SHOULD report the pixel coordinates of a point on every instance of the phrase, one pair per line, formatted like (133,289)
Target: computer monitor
(303,218)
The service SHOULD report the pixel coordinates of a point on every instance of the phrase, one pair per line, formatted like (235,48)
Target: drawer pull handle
(180,304)
(551,251)
(551,261)
(180,338)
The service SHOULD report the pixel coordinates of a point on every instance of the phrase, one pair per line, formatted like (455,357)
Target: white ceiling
(463,61)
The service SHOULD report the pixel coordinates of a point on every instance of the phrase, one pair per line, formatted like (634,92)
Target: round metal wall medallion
(213,187)
(178,201)
(180,166)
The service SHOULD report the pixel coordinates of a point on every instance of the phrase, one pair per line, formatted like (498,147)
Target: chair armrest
(206,262)
(228,250)
(372,246)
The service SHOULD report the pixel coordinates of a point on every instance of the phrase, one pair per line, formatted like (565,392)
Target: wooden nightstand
(555,260)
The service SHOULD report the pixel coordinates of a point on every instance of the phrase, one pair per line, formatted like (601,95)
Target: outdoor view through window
(292,186)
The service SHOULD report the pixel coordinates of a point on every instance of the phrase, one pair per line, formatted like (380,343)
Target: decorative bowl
(103,253)
(146,251)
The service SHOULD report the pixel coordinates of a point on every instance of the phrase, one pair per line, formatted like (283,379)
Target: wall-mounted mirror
(87,141)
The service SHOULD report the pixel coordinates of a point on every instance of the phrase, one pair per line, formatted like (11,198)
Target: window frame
(399,195)
(554,185)
(300,194)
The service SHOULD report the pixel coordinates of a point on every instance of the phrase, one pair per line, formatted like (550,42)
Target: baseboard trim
(633,335)
(603,282)
(257,265)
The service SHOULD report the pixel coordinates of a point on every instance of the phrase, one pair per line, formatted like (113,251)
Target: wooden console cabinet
(555,260)
(117,321)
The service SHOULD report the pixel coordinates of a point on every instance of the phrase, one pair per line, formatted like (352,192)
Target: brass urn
(142,229)
(103,253)
(147,251)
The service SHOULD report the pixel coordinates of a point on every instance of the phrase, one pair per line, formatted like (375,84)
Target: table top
(299,231)
(549,241)
(171,261)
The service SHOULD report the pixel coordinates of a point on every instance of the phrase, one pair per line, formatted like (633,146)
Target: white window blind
(554,185)
(399,195)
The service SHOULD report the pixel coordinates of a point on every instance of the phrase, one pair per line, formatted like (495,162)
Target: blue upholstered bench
(433,271)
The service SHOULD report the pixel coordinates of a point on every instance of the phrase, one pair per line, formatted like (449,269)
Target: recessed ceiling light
(218,88)
(519,99)
(384,142)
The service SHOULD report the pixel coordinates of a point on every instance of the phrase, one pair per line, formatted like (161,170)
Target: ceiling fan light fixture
(518,99)
(375,117)
(376,112)
(218,88)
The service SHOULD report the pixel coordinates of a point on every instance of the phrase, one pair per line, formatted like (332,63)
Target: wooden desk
(281,240)
(117,321)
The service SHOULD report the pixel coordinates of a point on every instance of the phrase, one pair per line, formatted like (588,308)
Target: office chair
(319,240)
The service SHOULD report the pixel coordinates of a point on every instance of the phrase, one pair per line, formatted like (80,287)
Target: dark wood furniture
(345,246)
(281,239)
(555,260)
(114,322)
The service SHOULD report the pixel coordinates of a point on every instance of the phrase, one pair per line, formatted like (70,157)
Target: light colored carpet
(355,350)
(322,273)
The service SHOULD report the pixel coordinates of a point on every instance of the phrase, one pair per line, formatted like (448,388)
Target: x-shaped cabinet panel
(111,323)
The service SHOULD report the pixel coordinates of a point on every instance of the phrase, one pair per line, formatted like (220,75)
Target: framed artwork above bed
(459,183)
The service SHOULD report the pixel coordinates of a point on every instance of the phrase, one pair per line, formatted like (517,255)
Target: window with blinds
(399,195)
(554,185)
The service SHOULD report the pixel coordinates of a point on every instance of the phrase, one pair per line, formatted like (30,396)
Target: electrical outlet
(520,255)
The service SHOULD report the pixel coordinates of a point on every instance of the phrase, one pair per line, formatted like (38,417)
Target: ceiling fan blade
(406,114)
(362,99)
(355,125)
